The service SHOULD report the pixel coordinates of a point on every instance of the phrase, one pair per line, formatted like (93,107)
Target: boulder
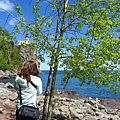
(9,85)
(1,74)
(65,108)
(7,74)
(81,109)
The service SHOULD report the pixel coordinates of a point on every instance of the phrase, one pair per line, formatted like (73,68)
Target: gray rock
(1,74)
(6,93)
(8,85)
(69,109)
(7,74)
(27,53)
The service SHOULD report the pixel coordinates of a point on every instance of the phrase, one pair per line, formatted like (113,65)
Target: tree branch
(10,14)
(6,20)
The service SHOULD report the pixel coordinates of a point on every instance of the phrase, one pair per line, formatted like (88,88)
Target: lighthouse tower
(26,39)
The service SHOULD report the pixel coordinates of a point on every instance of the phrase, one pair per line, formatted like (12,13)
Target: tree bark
(45,107)
(47,92)
(56,62)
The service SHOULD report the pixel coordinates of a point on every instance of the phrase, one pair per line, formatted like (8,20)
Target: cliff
(27,53)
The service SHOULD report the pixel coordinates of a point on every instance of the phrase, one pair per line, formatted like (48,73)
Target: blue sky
(8,22)
(26,8)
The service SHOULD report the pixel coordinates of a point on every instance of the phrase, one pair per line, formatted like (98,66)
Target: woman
(31,86)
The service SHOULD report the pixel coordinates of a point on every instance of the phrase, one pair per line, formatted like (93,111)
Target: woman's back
(28,85)
(28,91)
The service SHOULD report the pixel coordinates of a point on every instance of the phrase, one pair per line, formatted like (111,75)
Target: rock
(88,109)
(1,91)
(118,113)
(8,85)
(1,73)
(3,97)
(1,110)
(64,108)
(7,101)
(2,84)
(27,53)
(7,74)
(13,96)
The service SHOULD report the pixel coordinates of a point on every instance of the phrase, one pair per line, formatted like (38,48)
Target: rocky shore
(67,105)
(7,74)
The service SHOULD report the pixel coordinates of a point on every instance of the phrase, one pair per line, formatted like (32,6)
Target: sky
(8,21)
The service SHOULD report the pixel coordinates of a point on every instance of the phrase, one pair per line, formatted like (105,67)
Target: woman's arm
(39,87)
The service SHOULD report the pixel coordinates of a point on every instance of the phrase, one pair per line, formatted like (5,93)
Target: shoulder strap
(20,95)
(33,84)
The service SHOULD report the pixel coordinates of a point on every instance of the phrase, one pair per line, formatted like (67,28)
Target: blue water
(74,84)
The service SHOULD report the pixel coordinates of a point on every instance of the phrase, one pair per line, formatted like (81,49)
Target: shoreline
(65,102)
(8,107)
(11,81)
(113,103)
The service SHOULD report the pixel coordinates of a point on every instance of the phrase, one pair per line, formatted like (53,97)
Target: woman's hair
(29,68)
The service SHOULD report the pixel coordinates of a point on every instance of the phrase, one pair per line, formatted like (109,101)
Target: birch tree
(80,35)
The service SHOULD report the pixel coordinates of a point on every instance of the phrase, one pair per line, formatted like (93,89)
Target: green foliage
(85,38)
(18,9)
(81,35)
(9,56)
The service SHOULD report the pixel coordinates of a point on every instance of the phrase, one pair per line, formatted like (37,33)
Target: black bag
(28,112)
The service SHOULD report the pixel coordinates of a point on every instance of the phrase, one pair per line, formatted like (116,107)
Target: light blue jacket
(28,92)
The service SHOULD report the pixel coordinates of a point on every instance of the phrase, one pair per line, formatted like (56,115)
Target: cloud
(7,5)
(13,21)
(48,1)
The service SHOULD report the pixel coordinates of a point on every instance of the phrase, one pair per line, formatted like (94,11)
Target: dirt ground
(8,108)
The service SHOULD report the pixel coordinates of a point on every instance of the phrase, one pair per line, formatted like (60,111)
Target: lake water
(74,84)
